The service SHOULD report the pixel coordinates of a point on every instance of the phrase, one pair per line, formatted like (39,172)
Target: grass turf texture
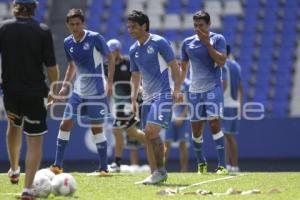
(121,186)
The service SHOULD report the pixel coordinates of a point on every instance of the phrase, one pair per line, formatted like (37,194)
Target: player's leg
(183,132)
(98,111)
(33,159)
(214,111)
(232,151)
(168,137)
(159,117)
(63,137)
(34,127)
(227,152)
(184,156)
(119,146)
(197,140)
(197,124)
(134,156)
(13,136)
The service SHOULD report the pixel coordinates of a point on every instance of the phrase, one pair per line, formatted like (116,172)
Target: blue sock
(62,141)
(219,141)
(197,143)
(101,145)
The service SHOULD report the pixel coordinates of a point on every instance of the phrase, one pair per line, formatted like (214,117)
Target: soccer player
(125,120)
(180,130)
(233,93)
(25,46)
(85,52)
(150,57)
(206,53)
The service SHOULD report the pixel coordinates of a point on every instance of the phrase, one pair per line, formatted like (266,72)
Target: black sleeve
(48,49)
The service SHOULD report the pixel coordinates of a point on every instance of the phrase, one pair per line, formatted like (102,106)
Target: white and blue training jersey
(232,74)
(204,74)
(88,55)
(150,59)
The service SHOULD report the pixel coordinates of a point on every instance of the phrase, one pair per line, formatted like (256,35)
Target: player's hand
(178,97)
(50,100)
(63,94)
(135,107)
(109,88)
(204,37)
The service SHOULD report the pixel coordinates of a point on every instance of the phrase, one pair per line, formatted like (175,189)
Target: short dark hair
(228,49)
(202,15)
(140,18)
(75,13)
(24,9)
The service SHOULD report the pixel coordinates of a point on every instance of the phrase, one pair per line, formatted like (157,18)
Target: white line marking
(9,194)
(209,181)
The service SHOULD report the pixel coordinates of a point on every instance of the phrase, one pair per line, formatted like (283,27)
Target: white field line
(209,181)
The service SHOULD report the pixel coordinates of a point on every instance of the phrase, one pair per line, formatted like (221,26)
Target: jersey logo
(86,46)
(150,50)
(160,117)
(136,54)
(102,112)
(71,50)
(123,68)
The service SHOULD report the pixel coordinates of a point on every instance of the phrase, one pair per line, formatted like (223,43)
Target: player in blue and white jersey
(85,52)
(205,53)
(150,57)
(233,93)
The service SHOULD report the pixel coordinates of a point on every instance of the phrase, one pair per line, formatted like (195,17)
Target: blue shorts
(230,122)
(157,111)
(203,106)
(178,133)
(93,110)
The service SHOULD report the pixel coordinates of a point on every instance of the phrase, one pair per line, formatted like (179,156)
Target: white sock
(63,135)
(99,138)
(218,135)
(27,190)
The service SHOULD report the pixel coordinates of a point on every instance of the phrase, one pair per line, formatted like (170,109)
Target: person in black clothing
(25,46)
(125,120)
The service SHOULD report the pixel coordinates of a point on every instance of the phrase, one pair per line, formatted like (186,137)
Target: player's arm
(176,76)
(53,76)
(135,87)
(184,69)
(111,73)
(224,78)
(218,51)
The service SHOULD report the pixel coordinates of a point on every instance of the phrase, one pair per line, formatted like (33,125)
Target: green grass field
(121,186)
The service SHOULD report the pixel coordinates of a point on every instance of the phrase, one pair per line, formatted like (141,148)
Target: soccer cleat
(222,171)
(156,178)
(14,176)
(114,168)
(202,168)
(56,169)
(103,173)
(27,196)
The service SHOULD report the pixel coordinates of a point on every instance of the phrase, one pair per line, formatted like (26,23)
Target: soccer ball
(41,186)
(46,172)
(63,184)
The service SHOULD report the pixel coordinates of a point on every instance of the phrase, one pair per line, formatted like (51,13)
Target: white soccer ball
(46,172)
(63,184)
(41,186)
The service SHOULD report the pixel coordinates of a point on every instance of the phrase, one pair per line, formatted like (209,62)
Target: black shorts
(27,111)
(124,119)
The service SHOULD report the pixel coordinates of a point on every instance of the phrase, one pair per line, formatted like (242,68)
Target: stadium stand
(263,34)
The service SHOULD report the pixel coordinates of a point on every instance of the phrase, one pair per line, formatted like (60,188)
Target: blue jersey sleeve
(220,44)
(133,65)
(183,55)
(166,50)
(101,45)
(68,56)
